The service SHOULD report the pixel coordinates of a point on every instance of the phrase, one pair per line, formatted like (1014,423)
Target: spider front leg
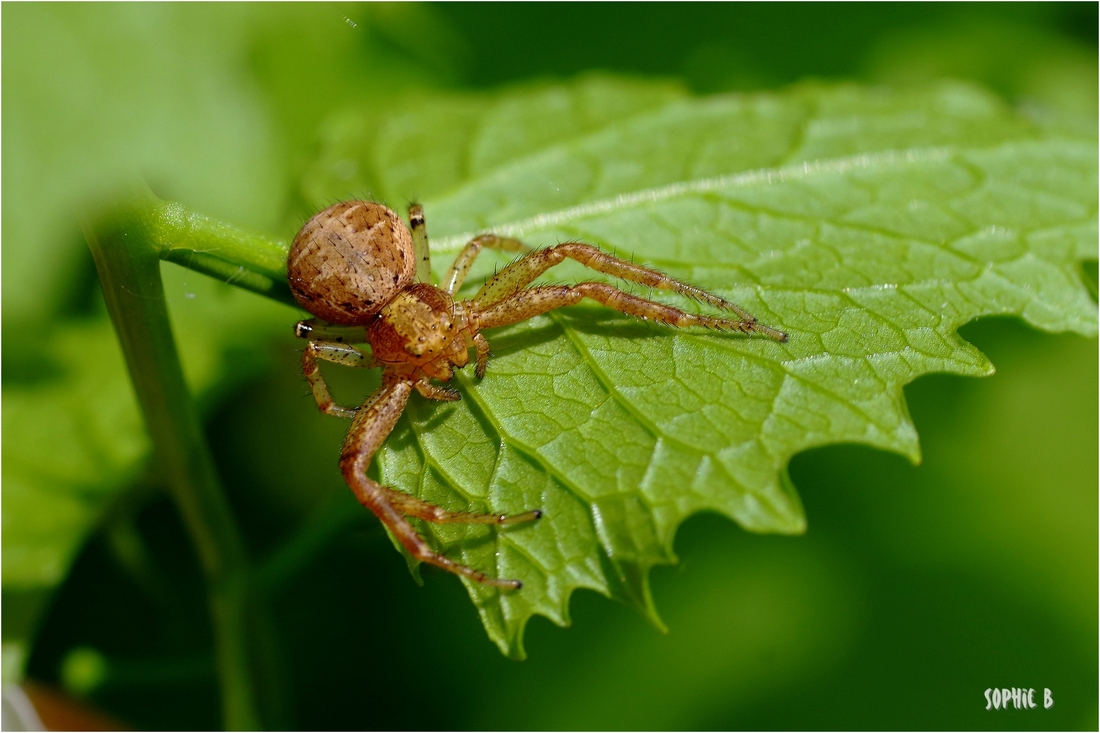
(512,279)
(538,300)
(456,275)
(373,423)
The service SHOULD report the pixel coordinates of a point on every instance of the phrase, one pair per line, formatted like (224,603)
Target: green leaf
(868,223)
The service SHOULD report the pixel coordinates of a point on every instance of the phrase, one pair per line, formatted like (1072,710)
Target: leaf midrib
(623,201)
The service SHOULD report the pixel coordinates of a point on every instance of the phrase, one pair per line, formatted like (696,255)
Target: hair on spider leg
(519,256)
(307,393)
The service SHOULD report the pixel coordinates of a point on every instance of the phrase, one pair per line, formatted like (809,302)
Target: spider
(365,276)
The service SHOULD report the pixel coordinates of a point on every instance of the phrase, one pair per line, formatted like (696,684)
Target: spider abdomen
(349,260)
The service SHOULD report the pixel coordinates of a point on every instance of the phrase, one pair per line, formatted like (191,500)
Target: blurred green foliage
(914,590)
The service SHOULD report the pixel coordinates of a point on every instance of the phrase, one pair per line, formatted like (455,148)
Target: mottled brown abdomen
(349,260)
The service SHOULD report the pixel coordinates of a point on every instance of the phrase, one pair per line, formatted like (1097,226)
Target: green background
(914,589)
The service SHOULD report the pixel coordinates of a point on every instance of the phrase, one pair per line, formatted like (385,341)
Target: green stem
(128,243)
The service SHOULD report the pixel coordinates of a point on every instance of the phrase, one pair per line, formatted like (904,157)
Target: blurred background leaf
(212,105)
(910,612)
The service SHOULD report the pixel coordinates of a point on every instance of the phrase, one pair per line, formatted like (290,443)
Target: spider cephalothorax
(359,269)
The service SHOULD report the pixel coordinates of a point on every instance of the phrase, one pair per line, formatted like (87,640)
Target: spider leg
(482,345)
(411,506)
(456,275)
(523,272)
(421,250)
(435,392)
(334,352)
(315,329)
(535,301)
(373,423)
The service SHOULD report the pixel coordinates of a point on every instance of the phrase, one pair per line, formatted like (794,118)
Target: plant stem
(128,243)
